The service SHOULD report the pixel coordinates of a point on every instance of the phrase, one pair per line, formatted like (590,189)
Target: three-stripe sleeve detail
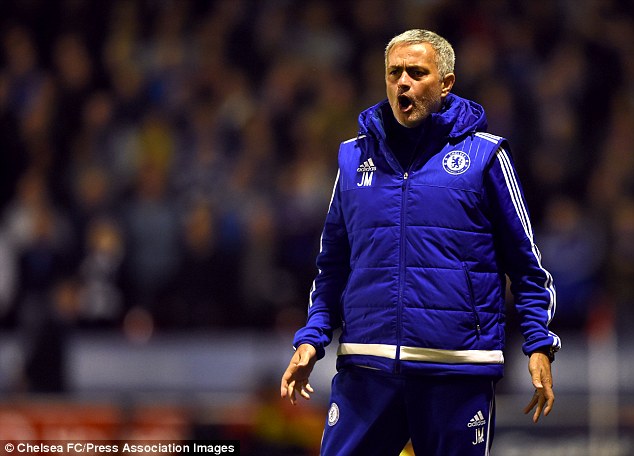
(520,208)
(321,239)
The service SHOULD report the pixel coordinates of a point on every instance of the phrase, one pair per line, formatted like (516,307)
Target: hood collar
(458,117)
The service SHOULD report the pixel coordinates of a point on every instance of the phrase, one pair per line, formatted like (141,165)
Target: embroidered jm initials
(366,179)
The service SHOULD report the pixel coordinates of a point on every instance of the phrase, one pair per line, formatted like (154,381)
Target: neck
(403,141)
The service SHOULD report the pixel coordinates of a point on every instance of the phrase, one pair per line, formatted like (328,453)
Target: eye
(395,70)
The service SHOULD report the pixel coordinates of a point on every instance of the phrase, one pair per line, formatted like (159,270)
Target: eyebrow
(406,67)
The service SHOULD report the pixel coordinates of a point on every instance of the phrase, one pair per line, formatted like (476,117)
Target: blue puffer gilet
(408,266)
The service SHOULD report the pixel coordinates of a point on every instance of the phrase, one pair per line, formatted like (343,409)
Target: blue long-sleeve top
(414,259)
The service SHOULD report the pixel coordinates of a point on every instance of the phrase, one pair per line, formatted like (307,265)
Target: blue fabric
(419,257)
(376,413)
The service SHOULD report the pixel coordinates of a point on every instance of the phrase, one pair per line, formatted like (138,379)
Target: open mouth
(404,103)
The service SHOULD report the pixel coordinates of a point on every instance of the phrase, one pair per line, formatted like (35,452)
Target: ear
(447,84)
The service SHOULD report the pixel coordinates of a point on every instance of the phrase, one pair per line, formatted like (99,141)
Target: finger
(291,392)
(537,383)
(548,407)
(284,385)
(288,374)
(541,380)
(305,392)
(531,404)
(538,409)
(550,401)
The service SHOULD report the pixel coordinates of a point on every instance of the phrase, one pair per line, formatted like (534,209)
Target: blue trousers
(376,413)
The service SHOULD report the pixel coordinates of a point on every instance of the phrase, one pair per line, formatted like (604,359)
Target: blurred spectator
(13,159)
(8,275)
(200,169)
(91,197)
(46,338)
(25,214)
(152,231)
(205,287)
(39,239)
(166,57)
(266,287)
(613,174)
(574,247)
(100,294)
(167,143)
(41,263)
(29,94)
(74,78)
(621,263)
(316,37)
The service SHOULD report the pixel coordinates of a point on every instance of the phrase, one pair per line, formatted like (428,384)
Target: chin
(410,123)
(409,120)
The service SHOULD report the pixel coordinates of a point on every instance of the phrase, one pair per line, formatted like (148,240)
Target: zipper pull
(406,175)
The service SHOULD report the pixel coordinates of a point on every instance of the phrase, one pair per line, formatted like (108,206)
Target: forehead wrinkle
(422,53)
(406,67)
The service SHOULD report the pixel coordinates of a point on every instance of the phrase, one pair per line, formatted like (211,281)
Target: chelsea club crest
(456,162)
(333,414)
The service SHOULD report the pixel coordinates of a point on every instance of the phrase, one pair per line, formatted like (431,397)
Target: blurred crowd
(170,162)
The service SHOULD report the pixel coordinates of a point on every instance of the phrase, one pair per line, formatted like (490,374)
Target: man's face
(414,87)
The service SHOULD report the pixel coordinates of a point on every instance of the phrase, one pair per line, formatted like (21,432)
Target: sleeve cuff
(321,351)
(314,337)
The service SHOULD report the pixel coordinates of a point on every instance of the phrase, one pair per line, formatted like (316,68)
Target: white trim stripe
(353,139)
(518,202)
(514,190)
(384,351)
(491,411)
(488,136)
(430,355)
(321,240)
(435,355)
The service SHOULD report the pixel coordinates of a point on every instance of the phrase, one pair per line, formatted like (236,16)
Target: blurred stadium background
(165,167)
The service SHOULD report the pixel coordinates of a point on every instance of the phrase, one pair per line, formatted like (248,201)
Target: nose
(404,80)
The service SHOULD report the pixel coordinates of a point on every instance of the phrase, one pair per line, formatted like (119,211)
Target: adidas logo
(477,420)
(366,166)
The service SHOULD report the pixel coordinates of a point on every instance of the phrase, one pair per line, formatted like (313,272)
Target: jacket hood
(458,117)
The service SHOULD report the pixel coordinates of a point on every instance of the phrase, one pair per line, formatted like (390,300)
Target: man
(426,221)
